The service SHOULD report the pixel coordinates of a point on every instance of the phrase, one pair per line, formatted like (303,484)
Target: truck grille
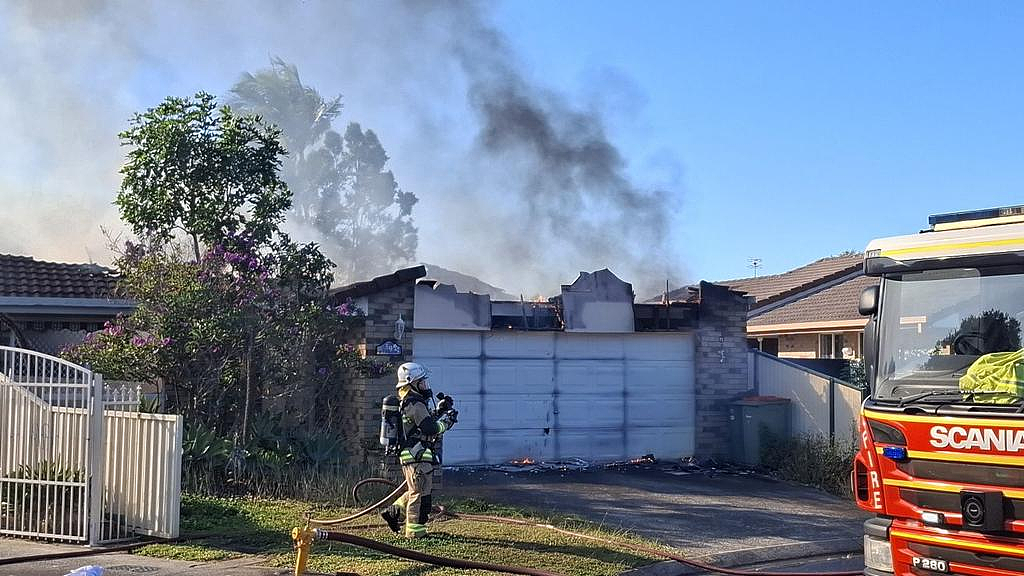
(950,502)
(968,558)
(964,473)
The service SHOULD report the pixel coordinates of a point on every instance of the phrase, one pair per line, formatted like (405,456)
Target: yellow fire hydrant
(303,538)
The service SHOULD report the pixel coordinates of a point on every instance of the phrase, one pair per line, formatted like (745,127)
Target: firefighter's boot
(390,515)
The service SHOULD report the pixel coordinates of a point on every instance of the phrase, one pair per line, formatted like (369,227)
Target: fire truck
(941,455)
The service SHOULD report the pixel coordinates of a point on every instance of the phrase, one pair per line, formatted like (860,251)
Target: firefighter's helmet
(410,373)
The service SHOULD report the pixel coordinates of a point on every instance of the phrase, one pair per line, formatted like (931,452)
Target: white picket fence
(819,404)
(78,461)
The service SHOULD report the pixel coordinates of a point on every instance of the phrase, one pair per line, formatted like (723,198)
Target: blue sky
(802,128)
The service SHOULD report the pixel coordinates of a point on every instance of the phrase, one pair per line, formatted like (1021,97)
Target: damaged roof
(24,276)
(397,278)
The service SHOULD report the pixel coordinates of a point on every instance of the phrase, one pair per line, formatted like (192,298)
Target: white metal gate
(558,395)
(79,462)
(46,407)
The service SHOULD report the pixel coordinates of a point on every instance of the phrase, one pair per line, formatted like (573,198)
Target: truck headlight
(877,554)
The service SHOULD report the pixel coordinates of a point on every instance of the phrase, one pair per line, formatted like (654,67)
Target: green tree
(203,171)
(375,224)
(342,186)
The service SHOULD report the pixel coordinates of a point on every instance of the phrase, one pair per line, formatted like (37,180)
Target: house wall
(721,366)
(798,346)
(806,345)
(361,396)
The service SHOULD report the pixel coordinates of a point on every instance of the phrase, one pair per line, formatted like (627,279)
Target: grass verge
(263,526)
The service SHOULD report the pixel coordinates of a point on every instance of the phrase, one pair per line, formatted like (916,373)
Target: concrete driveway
(728,518)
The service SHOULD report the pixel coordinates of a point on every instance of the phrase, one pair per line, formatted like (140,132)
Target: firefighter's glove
(450,418)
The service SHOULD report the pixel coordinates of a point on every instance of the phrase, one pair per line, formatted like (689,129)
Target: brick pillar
(721,365)
(362,396)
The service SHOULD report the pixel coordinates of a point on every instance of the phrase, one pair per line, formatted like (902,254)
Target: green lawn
(263,527)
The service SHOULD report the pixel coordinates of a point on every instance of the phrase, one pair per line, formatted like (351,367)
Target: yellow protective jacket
(420,431)
(996,378)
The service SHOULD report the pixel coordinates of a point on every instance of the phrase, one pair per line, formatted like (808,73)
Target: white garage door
(556,395)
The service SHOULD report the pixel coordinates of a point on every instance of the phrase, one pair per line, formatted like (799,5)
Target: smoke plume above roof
(518,184)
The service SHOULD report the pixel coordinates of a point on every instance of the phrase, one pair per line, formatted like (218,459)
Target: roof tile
(27,277)
(833,304)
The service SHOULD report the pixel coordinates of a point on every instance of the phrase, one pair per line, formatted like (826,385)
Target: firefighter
(420,432)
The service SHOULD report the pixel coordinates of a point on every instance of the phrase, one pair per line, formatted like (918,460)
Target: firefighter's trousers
(416,501)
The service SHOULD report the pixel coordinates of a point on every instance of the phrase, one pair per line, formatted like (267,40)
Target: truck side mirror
(868,301)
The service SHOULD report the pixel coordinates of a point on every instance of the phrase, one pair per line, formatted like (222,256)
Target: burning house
(589,373)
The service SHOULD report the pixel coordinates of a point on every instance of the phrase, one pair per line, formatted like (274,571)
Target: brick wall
(362,396)
(798,346)
(721,367)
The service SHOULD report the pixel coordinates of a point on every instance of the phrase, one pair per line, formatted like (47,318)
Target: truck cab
(941,456)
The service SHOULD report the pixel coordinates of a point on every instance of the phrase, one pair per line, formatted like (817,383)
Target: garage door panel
(579,411)
(469,413)
(664,442)
(504,445)
(596,377)
(456,377)
(507,411)
(594,444)
(461,447)
(447,344)
(603,346)
(527,377)
(519,345)
(655,378)
(655,412)
(655,346)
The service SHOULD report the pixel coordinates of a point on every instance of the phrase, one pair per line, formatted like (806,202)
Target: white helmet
(410,373)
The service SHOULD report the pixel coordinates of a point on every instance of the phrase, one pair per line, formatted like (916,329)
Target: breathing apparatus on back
(411,377)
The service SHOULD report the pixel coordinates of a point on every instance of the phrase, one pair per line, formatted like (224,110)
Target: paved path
(123,564)
(700,515)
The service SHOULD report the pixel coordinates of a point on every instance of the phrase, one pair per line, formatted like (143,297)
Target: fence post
(832,411)
(757,376)
(96,457)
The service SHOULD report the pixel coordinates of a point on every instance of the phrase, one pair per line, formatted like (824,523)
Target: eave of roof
(64,306)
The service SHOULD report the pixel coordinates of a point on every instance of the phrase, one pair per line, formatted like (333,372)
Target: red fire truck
(941,460)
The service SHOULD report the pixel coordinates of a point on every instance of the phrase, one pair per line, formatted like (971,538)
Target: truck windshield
(936,324)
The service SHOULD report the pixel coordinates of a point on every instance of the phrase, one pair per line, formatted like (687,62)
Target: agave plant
(317,450)
(203,446)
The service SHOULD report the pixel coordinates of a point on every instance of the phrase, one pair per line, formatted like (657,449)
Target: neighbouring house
(589,373)
(809,312)
(45,306)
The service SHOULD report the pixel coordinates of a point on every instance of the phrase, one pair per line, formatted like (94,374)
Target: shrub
(811,460)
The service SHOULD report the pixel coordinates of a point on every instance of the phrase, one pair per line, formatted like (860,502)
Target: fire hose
(304,537)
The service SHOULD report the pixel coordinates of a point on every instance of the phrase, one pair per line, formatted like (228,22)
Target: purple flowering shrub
(244,330)
(121,351)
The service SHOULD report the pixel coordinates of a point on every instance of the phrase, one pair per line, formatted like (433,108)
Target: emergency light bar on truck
(980,238)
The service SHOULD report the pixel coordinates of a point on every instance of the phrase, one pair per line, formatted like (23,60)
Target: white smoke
(517,184)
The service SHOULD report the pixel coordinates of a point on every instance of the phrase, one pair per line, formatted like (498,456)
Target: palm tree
(341,185)
(304,117)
